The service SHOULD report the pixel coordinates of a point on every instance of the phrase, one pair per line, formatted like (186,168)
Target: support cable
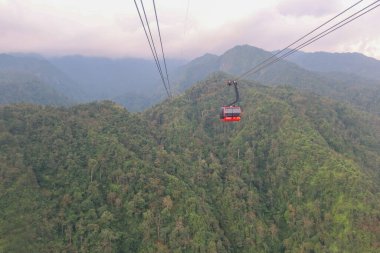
(265,62)
(162,48)
(312,40)
(151,44)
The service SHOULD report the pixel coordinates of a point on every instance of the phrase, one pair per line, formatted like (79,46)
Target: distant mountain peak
(246,47)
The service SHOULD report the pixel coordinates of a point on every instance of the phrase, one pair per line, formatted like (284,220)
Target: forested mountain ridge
(298,173)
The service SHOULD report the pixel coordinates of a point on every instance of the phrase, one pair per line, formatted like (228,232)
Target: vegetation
(22,69)
(26,88)
(299,173)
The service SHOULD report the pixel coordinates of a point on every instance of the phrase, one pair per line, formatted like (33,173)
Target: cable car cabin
(230,113)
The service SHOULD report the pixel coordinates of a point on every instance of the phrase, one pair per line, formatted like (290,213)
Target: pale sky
(189,28)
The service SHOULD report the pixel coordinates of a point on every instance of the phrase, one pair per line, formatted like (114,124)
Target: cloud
(91,27)
(308,7)
(26,28)
(267,29)
(272,30)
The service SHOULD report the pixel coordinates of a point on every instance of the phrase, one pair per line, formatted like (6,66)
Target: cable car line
(319,36)
(162,47)
(155,55)
(152,40)
(315,38)
(315,29)
(151,44)
(267,62)
(151,47)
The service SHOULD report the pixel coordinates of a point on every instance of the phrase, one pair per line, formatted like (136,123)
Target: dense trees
(18,87)
(298,174)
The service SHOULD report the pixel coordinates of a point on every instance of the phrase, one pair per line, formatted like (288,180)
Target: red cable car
(231,112)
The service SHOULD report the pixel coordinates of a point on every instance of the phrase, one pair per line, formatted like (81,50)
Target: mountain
(196,70)
(38,67)
(299,173)
(351,63)
(240,59)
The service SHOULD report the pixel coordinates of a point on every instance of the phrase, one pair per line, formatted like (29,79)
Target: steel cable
(267,62)
(151,44)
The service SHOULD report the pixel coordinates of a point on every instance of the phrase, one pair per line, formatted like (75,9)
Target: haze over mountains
(135,83)
(350,63)
(105,78)
(43,71)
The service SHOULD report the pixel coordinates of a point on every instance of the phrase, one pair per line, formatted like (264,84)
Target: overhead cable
(151,44)
(318,37)
(274,59)
(162,47)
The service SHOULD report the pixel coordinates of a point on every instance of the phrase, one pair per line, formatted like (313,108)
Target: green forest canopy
(299,173)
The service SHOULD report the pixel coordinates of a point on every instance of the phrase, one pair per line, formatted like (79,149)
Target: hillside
(298,173)
(240,59)
(356,63)
(18,87)
(43,70)
(138,102)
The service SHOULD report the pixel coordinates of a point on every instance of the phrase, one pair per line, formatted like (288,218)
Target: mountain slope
(196,70)
(356,63)
(289,170)
(26,88)
(41,69)
(99,183)
(298,173)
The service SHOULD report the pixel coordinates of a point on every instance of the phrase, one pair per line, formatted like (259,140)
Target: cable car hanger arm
(236,92)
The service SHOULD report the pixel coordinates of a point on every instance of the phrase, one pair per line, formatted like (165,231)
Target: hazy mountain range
(135,83)
(76,79)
